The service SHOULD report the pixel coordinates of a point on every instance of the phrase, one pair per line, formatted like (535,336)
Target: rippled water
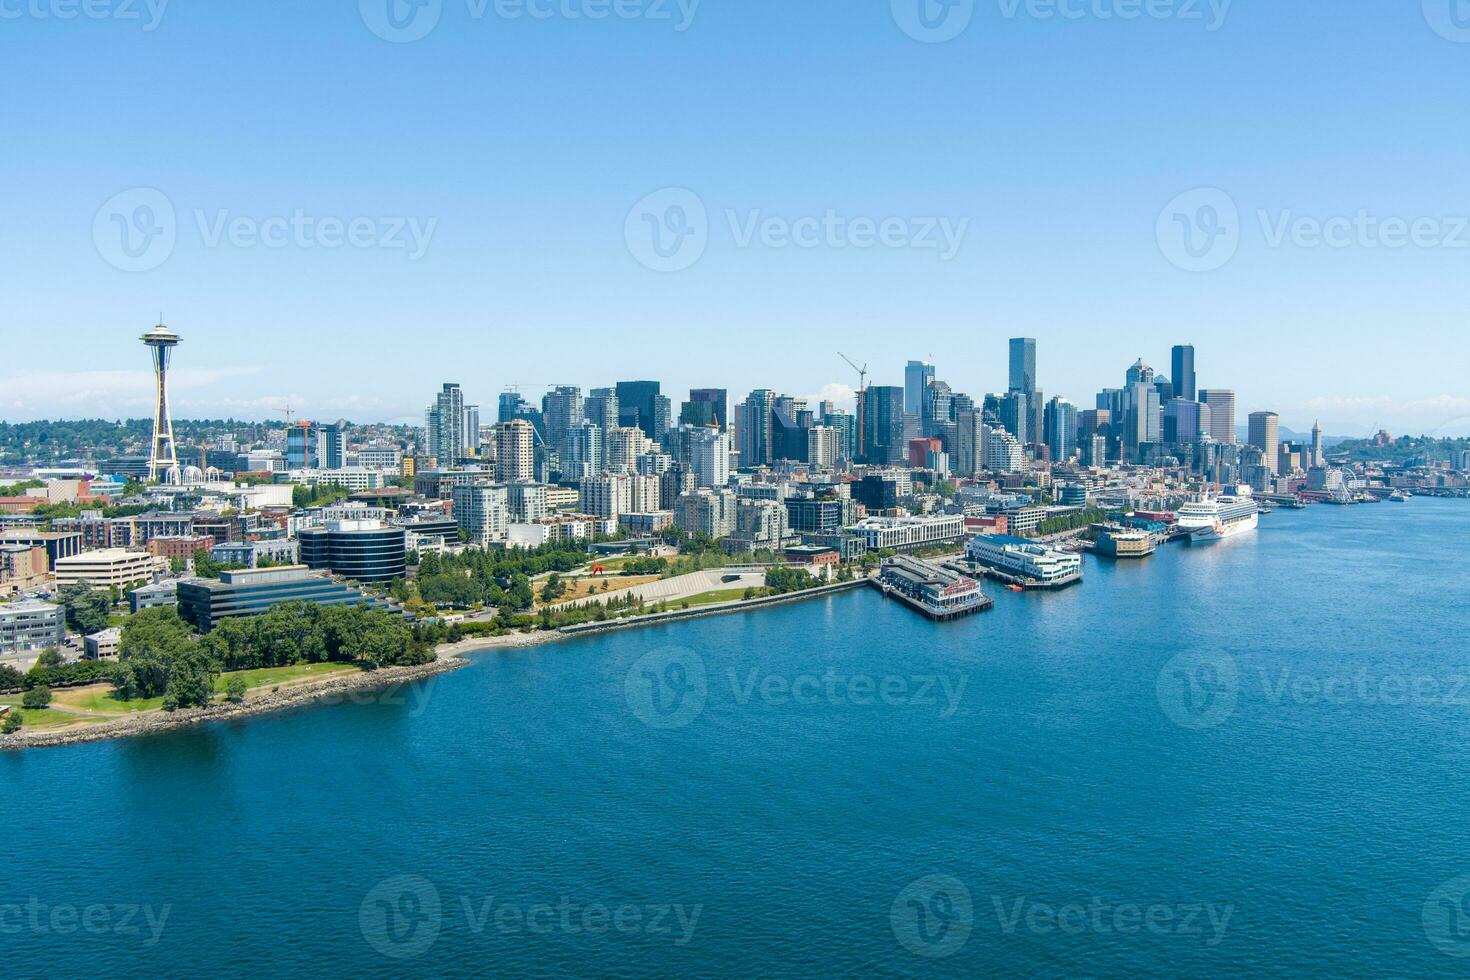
(1250,758)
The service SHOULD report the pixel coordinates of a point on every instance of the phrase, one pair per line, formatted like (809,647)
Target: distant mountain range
(1291,435)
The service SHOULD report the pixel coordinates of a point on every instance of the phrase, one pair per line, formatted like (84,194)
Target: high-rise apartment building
(515,451)
(709,457)
(601,408)
(482,511)
(754,427)
(823,446)
(638,405)
(562,410)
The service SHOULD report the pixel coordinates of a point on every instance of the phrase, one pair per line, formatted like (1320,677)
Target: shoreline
(516,641)
(268,702)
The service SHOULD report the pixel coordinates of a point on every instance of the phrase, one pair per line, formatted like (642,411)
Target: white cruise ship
(1234,514)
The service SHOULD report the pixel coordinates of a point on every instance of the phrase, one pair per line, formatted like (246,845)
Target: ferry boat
(1398,497)
(1235,514)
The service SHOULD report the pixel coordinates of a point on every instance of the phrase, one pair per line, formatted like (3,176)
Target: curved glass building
(365,551)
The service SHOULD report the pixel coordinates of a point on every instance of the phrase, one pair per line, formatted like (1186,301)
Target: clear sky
(1021,177)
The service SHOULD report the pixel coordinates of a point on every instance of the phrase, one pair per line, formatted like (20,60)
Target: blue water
(1145,751)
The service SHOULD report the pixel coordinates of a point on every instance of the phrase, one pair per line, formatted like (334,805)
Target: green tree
(13,720)
(86,608)
(37,697)
(235,688)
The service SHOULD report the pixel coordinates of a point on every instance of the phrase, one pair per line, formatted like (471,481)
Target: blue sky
(1049,140)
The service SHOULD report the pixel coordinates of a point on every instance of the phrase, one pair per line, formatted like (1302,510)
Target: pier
(932,590)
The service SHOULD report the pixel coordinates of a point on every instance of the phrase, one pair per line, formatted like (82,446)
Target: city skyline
(121,389)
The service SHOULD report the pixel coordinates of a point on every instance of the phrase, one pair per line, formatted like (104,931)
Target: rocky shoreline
(270,701)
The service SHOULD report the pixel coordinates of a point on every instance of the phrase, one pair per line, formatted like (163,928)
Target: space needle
(163,457)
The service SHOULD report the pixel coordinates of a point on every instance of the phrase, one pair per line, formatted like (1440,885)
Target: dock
(933,591)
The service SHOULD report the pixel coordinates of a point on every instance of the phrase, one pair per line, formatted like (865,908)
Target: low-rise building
(280,551)
(113,567)
(150,596)
(103,645)
(22,567)
(1024,559)
(182,548)
(30,625)
(908,533)
(204,602)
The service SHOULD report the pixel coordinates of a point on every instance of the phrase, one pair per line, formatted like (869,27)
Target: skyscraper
(707,407)
(444,426)
(1319,457)
(1061,429)
(1181,367)
(515,451)
(884,425)
(163,456)
(562,409)
(601,408)
(1265,435)
(638,405)
(1222,414)
(753,424)
(1023,365)
(916,379)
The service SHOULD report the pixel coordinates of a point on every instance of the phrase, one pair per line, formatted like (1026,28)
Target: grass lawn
(35,718)
(710,598)
(98,697)
(276,676)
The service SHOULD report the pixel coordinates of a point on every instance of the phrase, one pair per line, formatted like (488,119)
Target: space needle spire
(163,457)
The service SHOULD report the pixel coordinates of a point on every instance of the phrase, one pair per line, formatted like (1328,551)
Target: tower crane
(861,399)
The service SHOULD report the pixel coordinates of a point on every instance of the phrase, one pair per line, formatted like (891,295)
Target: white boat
(1234,514)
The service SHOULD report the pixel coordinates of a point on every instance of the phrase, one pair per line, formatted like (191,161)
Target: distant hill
(1291,435)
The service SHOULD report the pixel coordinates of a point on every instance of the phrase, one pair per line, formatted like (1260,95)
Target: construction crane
(287,412)
(861,398)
